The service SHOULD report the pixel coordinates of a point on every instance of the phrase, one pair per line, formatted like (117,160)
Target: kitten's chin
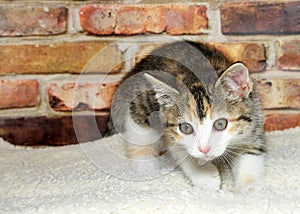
(202,161)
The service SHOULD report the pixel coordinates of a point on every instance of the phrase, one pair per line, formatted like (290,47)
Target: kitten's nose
(204,150)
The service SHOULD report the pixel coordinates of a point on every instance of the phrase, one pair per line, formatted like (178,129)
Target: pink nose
(204,150)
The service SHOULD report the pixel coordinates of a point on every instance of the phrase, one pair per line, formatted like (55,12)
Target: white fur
(248,172)
(139,135)
(248,169)
(145,165)
(205,136)
(205,176)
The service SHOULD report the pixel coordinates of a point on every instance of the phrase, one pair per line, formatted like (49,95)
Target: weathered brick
(71,57)
(186,19)
(156,20)
(32,20)
(55,131)
(88,96)
(252,54)
(141,19)
(281,121)
(18,93)
(99,19)
(278,93)
(289,55)
(260,18)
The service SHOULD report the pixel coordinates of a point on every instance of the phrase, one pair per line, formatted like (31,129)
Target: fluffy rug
(65,180)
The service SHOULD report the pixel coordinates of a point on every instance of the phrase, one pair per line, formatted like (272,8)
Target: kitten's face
(204,138)
(206,126)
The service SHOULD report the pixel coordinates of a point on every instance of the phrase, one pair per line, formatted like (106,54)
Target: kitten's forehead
(202,106)
(199,99)
(198,109)
(218,103)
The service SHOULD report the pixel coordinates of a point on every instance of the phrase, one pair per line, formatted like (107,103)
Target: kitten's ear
(236,81)
(164,92)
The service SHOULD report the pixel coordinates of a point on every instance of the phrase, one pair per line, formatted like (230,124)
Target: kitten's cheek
(219,149)
(231,129)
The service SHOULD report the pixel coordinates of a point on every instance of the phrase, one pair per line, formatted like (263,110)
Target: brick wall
(61,60)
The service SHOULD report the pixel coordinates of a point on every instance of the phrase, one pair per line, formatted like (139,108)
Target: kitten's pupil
(186,128)
(220,124)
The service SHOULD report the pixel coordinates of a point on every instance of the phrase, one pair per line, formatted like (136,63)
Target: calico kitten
(188,100)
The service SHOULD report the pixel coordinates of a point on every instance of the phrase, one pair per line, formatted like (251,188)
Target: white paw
(248,186)
(207,178)
(145,166)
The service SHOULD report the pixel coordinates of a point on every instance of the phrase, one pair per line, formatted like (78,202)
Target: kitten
(188,100)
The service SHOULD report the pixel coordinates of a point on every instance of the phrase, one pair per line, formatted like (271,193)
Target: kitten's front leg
(144,158)
(225,175)
(204,176)
(248,172)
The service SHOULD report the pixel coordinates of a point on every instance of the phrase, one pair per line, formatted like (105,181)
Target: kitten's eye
(220,124)
(186,128)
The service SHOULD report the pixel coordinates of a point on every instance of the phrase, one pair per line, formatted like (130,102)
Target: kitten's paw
(227,185)
(248,186)
(207,178)
(249,173)
(145,165)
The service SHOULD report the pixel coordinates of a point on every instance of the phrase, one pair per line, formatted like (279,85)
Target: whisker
(245,148)
(181,155)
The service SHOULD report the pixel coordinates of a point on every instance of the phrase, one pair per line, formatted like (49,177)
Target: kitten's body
(209,113)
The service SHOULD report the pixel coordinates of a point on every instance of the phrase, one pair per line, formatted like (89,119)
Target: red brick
(156,20)
(72,97)
(260,18)
(99,19)
(55,131)
(252,54)
(18,93)
(186,19)
(281,121)
(289,55)
(69,57)
(278,93)
(32,20)
(141,19)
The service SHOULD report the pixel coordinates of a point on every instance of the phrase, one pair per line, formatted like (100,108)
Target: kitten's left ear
(236,81)
(164,92)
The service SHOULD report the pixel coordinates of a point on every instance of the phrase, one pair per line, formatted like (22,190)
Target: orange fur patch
(135,151)
(192,110)
(232,129)
(247,180)
(207,109)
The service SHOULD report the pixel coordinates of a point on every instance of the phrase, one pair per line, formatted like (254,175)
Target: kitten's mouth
(202,161)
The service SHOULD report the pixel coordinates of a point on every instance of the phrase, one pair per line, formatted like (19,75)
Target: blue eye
(186,128)
(220,124)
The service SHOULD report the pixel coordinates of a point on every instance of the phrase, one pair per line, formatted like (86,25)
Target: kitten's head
(203,126)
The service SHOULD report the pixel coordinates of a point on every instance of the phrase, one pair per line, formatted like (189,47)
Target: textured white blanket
(64,180)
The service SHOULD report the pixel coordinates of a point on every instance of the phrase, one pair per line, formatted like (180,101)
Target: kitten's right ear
(235,81)
(164,92)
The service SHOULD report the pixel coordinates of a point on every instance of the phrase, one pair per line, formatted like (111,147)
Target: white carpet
(64,180)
